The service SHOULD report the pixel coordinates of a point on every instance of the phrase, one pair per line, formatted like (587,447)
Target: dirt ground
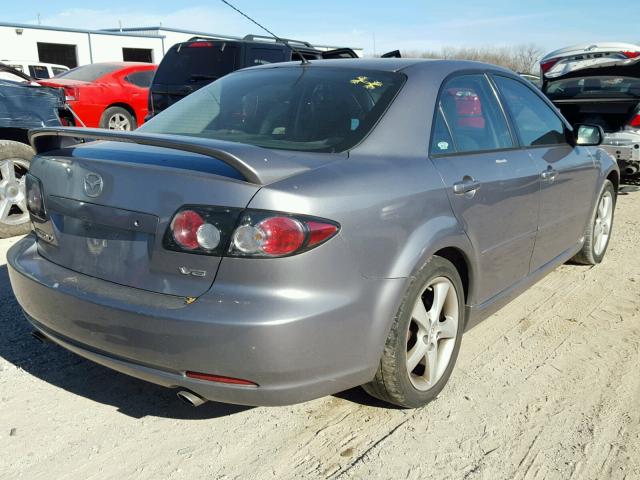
(549,387)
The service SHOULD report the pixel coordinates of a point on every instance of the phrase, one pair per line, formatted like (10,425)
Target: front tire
(423,343)
(598,231)
(15,158)
(117,118)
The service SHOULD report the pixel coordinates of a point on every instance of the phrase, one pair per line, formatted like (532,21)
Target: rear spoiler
(54,138)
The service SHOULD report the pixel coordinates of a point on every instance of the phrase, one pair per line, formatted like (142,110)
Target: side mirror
(589,135)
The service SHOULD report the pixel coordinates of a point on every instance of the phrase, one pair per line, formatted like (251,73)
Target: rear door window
(469,108)
(536,122)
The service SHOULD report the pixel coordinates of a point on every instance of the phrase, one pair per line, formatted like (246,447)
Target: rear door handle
(467,185)
(549,174)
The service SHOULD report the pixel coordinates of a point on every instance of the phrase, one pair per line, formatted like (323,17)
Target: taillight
(635,121)
(273,236)
(249,233)
(269,234)
(200,45)
(547,65)
(202,230)
(72,94)
(35,199)
(631,54)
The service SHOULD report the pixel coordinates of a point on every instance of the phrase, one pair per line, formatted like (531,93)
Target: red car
(107,95)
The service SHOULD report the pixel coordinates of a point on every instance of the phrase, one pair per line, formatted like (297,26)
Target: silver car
(292,230)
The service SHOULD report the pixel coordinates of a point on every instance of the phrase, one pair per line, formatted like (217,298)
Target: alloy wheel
(602,227)
(432,332)
(13,197)
(118,121)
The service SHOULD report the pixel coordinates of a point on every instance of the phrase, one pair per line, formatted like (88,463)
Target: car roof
(392,64)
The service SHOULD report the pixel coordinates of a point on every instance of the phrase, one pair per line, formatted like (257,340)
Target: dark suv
(189,66)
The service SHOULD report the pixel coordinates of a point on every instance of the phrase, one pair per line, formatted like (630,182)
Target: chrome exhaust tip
(190,398)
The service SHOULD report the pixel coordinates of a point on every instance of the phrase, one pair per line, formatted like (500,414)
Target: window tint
(197,63)
(594,87)
(535,121)
(262,56)
(58,70)
(473,115)
(441,141)
(90,73)
(38,71)
(291,108)
(141,79)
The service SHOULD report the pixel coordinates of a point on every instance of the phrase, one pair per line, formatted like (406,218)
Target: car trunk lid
(110,203)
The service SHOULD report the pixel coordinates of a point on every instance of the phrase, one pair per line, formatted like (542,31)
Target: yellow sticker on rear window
(366,83)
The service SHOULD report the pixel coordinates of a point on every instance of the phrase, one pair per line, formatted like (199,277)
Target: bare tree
(520,58)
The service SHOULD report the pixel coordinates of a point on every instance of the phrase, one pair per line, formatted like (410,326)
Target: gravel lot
(546,388)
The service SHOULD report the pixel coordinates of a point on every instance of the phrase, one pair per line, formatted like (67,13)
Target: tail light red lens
(319,232)
(631,54)
(282,235)
(35,200)
(200,45)
(72,94)
(635,121)
(548,64)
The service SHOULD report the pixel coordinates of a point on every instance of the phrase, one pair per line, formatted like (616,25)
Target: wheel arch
(460,261)
(126,106)
(614,177)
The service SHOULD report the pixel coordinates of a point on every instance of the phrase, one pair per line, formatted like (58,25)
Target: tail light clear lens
(35,199)
(249,233)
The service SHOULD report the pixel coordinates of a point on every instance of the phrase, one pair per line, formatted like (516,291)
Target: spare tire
(15,158)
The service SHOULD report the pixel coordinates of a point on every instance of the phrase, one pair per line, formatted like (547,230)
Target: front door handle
(467,185)
(549,174)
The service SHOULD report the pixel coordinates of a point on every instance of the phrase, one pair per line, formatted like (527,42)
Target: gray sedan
(294,230)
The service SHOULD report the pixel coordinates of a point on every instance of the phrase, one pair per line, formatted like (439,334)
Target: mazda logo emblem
(93,185)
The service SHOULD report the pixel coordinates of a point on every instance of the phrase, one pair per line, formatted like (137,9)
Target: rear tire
(423,343)
(598,231)
(118,118)
(15,158)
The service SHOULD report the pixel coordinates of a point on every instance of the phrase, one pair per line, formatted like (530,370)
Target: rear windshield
(196,62)
(594,87)
(294,108)
(90,73)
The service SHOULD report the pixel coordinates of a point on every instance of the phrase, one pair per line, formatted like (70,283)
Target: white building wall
(108,48)
(21,43)
(24,46)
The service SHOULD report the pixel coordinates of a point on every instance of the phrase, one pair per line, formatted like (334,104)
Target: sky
(376,26)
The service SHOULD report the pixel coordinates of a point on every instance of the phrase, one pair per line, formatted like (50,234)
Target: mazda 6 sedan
(294,230)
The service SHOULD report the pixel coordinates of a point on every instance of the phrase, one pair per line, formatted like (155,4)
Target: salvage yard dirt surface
(549,387)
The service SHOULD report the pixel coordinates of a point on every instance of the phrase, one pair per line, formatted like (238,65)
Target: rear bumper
(295,345)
